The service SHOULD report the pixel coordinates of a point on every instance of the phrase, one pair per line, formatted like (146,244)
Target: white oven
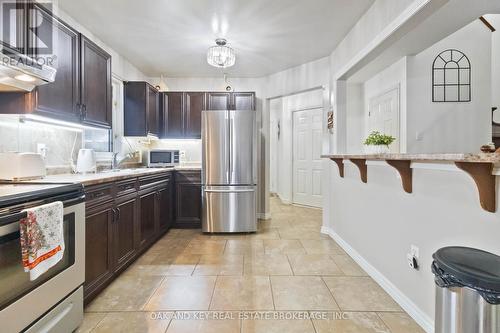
(162,158)
(54,301)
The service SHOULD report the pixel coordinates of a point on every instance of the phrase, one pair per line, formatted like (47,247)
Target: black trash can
(467,290)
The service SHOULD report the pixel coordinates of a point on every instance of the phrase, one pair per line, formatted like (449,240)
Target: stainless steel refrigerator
(229,171)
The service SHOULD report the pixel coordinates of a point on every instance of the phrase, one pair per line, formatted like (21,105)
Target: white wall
(443,210)
(355,121)
(367,31)
(311,75)
(451,127)
(275,113)
(495,64)
(392,77)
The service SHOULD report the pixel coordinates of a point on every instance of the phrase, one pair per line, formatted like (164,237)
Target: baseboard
(411,308)
(264,216)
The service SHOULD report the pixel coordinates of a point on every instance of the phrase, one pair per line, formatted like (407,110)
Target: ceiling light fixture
(221,55)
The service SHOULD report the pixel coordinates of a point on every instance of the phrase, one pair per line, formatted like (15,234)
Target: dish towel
(42,238)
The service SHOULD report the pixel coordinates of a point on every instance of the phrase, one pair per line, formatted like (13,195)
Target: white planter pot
(376,149)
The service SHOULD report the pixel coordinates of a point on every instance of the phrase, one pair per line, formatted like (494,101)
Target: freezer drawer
(229,209)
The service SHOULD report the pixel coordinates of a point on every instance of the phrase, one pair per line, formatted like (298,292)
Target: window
(451,77)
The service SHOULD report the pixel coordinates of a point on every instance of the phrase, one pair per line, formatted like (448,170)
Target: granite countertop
(110,176)
(478,158)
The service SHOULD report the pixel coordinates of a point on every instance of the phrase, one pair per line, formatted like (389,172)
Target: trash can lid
(474,268)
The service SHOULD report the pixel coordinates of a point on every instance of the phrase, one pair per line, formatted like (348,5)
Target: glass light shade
(221,56)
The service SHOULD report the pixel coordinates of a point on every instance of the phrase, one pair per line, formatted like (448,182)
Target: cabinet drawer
(98,194)
(188,177)
(153,180)
(125,187)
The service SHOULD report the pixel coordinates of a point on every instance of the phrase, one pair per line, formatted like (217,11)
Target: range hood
(19,72)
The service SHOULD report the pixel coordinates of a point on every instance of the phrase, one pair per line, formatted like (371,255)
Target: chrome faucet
(115,163)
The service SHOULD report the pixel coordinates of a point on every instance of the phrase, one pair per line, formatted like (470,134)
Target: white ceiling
(171,37)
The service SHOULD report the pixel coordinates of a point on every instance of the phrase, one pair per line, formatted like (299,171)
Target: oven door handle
(13,218)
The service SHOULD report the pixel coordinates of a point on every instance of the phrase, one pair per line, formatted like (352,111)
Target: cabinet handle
(114,215)
(84,111)
(118,214)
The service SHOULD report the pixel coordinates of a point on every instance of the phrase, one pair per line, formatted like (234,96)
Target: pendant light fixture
(221,55)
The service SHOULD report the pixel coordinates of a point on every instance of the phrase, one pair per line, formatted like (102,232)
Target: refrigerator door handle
(231,129)
(230,191)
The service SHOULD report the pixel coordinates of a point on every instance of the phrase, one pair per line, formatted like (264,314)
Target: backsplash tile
(16,136)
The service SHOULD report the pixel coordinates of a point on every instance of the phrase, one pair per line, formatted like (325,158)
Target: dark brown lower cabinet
(187,199)
(121,223)
(124,224)
(147,221)
(165,207)
(98,249)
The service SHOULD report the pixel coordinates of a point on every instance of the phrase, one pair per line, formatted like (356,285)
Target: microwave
(162,158)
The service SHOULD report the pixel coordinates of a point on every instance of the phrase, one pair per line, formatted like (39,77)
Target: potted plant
(377,143)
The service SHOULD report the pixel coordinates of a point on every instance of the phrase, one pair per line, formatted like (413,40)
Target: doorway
(307,163)
(383,116)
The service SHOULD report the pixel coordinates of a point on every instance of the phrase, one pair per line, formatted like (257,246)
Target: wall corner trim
(411,308)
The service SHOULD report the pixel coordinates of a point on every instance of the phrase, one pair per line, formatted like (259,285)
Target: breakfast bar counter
(482,167)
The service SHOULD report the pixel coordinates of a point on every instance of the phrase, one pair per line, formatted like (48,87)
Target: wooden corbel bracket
(340,164)
(485,182)
(405,171)
(363,169)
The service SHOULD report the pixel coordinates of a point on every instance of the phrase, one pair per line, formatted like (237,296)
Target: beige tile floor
(288,277)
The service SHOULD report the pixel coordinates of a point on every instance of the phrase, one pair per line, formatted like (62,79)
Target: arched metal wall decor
(451,77)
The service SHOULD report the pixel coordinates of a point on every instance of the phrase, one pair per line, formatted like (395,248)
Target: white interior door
(307,164)
(383,116)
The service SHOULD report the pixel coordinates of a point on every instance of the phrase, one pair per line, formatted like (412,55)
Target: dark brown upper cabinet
(230,101)
(181,114)
(194,105)
(81,92)
(243,101)
(172,115)
(61,98)
(218,100)
(153,111)
(14,31)
(141,109)
(96,98)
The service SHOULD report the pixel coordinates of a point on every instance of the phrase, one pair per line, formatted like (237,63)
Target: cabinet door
(172,115)
(188,205)
(59,99)
(218,101)
(135,120)
(243,101)
(164,197)
(13,30)
(98,250)
(153,108)
(124,232)
(96,84)
(147,217)
(194,104)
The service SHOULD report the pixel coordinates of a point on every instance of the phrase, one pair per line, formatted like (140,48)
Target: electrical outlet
(419,136)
